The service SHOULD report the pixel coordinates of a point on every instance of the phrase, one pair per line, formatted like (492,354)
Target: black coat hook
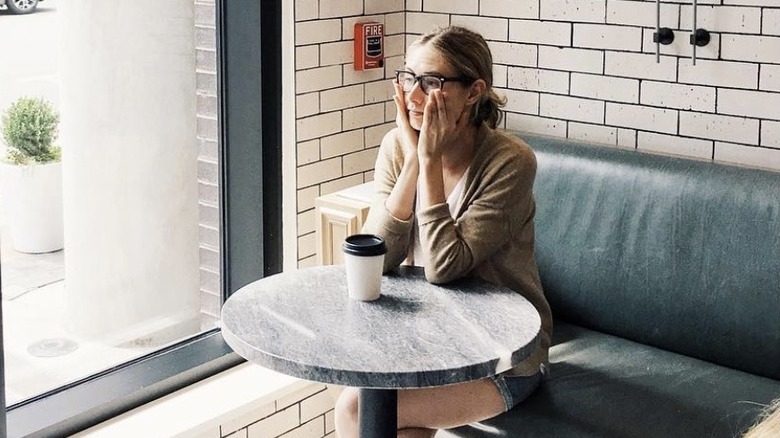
(701,37)
(664,36)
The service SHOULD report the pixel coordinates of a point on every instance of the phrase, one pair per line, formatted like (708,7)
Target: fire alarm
(369,46)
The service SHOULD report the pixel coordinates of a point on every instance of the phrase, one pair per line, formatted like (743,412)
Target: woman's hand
(408,135)
(442,125)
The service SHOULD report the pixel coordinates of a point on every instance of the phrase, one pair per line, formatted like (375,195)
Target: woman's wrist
(411,163)
(431,181)
(429,162)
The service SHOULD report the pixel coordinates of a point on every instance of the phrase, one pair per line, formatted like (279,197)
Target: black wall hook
(701,37)
(664,36)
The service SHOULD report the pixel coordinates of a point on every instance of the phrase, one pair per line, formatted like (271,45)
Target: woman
(454,195)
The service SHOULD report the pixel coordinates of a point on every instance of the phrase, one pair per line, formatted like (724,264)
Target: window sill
(208,408)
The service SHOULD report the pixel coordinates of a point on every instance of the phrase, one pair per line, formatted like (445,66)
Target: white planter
(32,204)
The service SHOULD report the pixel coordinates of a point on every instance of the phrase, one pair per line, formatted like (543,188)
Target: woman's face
(427,60)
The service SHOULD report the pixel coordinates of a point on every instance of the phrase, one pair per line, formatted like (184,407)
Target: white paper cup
(364,257)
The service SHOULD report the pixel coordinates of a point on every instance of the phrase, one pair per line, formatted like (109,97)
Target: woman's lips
(415,113)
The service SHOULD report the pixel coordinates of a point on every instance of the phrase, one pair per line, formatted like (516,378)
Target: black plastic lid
(364,245)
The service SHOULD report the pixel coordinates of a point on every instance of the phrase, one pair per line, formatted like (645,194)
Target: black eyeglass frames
(428,82)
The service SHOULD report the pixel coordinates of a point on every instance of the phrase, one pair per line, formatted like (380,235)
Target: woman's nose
(416,94)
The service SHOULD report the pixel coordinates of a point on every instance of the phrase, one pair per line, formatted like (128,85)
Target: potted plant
(32,176)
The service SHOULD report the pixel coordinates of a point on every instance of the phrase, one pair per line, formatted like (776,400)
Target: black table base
(378,413)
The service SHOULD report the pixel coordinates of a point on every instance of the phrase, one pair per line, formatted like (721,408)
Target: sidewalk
(40,354)
(24,273)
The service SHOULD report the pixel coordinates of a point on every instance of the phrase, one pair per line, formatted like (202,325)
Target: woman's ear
(476,90)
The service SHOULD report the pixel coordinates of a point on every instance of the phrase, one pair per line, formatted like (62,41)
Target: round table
(417,334)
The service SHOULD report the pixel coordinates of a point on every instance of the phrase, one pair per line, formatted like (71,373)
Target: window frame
(250,243)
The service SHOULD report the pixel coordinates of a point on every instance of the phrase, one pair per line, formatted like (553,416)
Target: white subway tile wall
(587,69)
(304,413)
(770,134)
(208,173)
(341,113)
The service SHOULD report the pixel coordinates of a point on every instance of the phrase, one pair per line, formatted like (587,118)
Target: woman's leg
(416,433)
(422,411)
(444,407)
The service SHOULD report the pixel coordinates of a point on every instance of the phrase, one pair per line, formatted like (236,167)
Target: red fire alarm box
(369,46)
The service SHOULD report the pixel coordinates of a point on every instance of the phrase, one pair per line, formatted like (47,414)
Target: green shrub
(29,129)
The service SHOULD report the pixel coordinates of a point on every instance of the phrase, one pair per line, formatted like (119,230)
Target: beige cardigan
(492,234)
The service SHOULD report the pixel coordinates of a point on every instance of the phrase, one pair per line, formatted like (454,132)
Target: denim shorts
(515,389)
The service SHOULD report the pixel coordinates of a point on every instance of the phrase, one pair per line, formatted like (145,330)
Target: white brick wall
(521,101)
(593,11)
(672,144)
(716,127)
(340,112)
(340,52)
(490,28)
(342,143)
(307,10)
(340,8)
(340,98)
(751,48)
(722,73)
(318,126)
(636,65)
(749,156)
(419,23)
(567,59)
(320,78)
(452,6)
(540,32)
(498,8)
(642,118)
(723,19)
(593,133)
(770,134)
(770,77)
(539,125)
(605,36)
(749,103)
(691,97)
(585,69)
(641,13)
(513,53)
(571,108)
(771,22)
(299,415)
(312,32)
(535,79)
(383,6)
(605,87)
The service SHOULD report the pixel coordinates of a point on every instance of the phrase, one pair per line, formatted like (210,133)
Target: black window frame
(248,74)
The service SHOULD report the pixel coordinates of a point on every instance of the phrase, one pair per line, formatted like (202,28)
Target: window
(248,108)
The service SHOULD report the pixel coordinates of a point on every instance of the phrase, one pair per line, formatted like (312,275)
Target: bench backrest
(676,253)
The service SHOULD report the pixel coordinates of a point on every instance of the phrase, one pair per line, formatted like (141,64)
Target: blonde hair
(768,425)
(468,53)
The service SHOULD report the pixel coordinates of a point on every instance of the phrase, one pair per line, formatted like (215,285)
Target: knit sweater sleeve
(396,232)
(498,200)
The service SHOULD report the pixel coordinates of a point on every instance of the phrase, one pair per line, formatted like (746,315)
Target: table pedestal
(378,413)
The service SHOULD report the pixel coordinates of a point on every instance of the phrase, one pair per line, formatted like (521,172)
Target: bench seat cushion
(605,386)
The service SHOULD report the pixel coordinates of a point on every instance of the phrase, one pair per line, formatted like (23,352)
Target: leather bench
(663,274)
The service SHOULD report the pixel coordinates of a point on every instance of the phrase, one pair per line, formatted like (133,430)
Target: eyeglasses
(428,82)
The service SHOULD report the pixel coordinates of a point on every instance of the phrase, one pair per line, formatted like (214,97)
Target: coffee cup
(364,258)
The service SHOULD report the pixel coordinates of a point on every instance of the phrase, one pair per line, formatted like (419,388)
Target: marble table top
(302,323)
